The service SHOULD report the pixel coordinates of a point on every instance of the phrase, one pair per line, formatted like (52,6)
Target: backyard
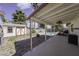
(19,45)
(8,47)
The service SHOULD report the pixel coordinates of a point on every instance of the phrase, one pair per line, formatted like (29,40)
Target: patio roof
(53,12)
(12,24)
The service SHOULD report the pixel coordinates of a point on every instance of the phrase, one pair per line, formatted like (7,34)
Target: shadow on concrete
(23,46)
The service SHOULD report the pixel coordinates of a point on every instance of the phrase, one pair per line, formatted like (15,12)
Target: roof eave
(38,9)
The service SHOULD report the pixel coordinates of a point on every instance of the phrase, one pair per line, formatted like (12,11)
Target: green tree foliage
(19,17)
(59,26)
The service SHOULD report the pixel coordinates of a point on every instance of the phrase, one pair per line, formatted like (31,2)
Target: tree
(42,26)
(19,17)
(67,24)
(59,26)
(59,22)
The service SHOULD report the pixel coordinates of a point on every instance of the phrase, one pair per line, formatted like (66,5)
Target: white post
(30,35)
(45,32)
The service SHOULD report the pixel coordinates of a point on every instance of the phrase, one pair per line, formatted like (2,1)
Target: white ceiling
(54,12)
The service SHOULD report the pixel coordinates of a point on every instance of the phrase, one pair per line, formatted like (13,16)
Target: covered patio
(50,14)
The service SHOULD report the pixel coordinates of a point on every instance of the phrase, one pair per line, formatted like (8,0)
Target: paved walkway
(55,46)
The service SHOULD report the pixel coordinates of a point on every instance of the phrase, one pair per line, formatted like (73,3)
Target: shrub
(33,31)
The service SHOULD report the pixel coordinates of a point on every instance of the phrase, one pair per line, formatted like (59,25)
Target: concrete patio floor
(55,46)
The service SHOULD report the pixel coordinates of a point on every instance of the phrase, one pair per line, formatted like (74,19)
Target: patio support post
(30,35)
(45,32)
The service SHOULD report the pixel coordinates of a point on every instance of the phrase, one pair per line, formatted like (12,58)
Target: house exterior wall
(75,23)
(16,31)
(22,31)
(33,24)
(27,31)
(5,31)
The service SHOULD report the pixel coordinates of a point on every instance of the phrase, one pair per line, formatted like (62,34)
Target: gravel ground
(17,46)
(24,45)
(8,46)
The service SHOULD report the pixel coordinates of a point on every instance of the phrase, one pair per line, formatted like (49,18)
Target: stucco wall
(75,21)
(6,34)
(16,31)
(22,31)
(27,31)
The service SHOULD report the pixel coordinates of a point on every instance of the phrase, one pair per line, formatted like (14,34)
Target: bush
(33,31)
(38,35)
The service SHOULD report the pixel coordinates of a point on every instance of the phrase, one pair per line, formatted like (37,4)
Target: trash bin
(73,39)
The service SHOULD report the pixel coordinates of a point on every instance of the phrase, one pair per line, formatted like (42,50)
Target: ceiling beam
(58,12)
(71,11)
(47,11)
(41,21)
(63,18)
(72,14)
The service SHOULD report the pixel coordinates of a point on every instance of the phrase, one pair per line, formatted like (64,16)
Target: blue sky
(9,9)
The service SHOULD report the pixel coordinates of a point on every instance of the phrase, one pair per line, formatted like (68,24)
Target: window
(10,30)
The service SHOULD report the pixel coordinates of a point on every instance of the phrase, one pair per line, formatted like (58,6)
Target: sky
(10,8)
